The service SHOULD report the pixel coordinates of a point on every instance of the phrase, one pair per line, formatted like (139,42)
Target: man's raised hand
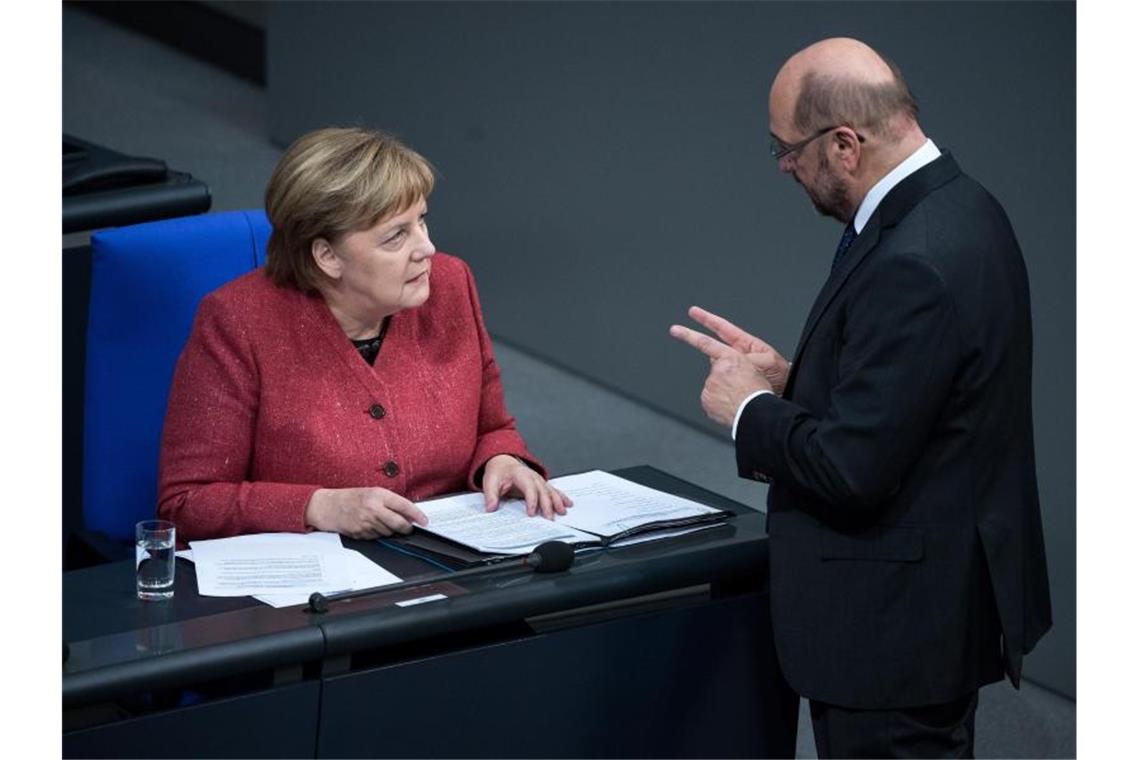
(765,358)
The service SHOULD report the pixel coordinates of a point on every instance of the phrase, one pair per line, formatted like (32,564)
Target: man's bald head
(841,81)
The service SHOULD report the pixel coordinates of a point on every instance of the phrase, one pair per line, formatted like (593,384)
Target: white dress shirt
(912,163)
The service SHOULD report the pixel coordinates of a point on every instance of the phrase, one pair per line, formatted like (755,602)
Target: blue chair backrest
(146,282)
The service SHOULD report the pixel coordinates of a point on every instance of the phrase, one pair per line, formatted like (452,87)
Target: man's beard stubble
(832,196)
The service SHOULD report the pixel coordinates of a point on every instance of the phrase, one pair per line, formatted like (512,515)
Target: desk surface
(119,645)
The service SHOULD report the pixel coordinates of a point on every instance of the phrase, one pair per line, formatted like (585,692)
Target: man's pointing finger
(710,347)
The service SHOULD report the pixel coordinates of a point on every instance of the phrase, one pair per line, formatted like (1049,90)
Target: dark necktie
(844,243)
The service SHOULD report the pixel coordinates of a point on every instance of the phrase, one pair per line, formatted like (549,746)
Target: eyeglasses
(778,150)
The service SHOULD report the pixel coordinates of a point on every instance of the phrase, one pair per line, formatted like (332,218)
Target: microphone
(548,557)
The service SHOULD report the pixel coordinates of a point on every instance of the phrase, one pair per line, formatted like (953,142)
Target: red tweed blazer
(271,401)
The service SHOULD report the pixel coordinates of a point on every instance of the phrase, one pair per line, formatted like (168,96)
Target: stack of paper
(282,569)
(607,511)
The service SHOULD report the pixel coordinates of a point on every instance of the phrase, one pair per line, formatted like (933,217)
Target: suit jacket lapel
(858,251)
(897,203)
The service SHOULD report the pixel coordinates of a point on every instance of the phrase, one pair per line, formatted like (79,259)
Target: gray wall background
(604,165)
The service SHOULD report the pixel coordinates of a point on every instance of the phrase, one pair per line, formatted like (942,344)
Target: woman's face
(380,270)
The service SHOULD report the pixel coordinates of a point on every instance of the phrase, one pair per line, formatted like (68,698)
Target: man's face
(827,190)
(812,168)
(809,164)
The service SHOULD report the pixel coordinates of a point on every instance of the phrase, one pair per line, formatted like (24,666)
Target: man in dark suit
(907,558)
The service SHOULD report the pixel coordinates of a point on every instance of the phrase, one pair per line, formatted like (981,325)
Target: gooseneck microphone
(549,557)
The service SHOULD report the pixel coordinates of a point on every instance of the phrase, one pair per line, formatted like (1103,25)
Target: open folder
(607,511)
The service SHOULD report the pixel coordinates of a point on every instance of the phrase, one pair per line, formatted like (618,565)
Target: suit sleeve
(896,364)
(209,436)
(497,433)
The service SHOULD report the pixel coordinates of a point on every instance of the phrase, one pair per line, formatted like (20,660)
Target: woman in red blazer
(350,377)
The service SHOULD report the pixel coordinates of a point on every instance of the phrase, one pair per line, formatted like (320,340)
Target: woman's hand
(362,512)
(504,475)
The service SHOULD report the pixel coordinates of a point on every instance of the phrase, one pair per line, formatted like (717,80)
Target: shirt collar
(915,161)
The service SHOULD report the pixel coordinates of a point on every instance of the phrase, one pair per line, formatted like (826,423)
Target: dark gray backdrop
(604,165)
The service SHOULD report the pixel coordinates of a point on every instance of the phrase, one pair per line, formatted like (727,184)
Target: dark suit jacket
(907,557)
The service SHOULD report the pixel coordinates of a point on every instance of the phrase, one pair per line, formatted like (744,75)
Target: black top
(369,348)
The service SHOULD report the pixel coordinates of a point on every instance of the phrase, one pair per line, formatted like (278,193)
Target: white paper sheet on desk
(660,534)
(464,518)
(604,506)
(323,537)
(607,505)
(270,563)
(365,574)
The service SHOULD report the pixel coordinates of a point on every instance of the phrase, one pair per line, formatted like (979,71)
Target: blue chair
(146,282)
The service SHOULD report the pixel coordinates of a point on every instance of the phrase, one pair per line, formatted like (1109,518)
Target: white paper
(365,574)
(604,505)
(270,563)
(323,537)
(657,535)
(248,570)
(608,505)
(464,519)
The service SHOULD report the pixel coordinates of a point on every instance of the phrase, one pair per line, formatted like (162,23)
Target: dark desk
(661,649)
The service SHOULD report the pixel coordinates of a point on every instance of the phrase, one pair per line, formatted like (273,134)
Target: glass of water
(154,559)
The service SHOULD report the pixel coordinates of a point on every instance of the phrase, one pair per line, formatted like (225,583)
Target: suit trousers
(941,730)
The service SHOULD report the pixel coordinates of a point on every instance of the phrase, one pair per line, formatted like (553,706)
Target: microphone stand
(549,557)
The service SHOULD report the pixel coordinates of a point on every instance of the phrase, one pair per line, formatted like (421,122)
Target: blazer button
(391,469)
(377,412)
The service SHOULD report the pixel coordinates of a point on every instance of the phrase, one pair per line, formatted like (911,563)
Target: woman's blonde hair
(330,182)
